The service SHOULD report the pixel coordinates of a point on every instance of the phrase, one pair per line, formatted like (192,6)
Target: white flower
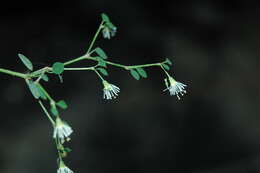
(175,87)
(109,32)
(61,130)
(110,91)
(63,168)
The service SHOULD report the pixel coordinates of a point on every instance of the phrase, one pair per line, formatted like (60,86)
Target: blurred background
(213,45)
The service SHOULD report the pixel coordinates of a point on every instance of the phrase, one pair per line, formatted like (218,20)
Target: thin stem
(91,52)
(117,65)
(95,37)
(125,66)
(41,75)
(46,112)
(45,92)
(143,65)
(165,71)
(99,75)
(86,56)
(75,60)
(57,142)
(39,78)
(78,69)
(40,71)
(13,73)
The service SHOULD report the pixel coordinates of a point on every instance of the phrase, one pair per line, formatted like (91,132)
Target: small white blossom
(109,32)
(64,169)
(110,91)
(62,130)
(176,88)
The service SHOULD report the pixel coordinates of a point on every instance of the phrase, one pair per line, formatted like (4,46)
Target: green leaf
(62,104)
(168,61)
(57,68)
(103,71)
(101,53)
(166,67)
(26,61)
(42,94)
(105,17)
(67,149)
(101,62)
(45,77)
(33,88)
(110,25)
(54,110)
(142,72)
(135,74)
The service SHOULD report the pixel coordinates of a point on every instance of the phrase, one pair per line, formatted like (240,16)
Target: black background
(214,47)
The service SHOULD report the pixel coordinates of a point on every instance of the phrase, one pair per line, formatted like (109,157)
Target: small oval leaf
(33,88)
(57,68)
(67,149)
(142,72)
(54,110)
(103,71)
(26,61)
(45,77)
(101,62)
(111,26)
(62,104)
(166,67)
(42,94)
(168,61)
(101,53)
(135,74)
(105,18)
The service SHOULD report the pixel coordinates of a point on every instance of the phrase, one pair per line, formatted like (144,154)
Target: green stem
(40,72)
(75,60)
(99,75)
(143,65)
(125,66)
(116,65)
(78,69)
(45,92)
(57,142)
(95,37)
(13,73)
(47,113)
(165,71)
(86,56)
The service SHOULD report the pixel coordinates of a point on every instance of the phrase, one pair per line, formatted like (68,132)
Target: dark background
(214,46)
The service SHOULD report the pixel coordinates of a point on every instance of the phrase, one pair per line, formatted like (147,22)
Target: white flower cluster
(63,168)
(62,130)
(176,88)
(109,32)
(110,91)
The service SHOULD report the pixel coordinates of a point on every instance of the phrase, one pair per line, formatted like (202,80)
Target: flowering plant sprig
(34,79)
